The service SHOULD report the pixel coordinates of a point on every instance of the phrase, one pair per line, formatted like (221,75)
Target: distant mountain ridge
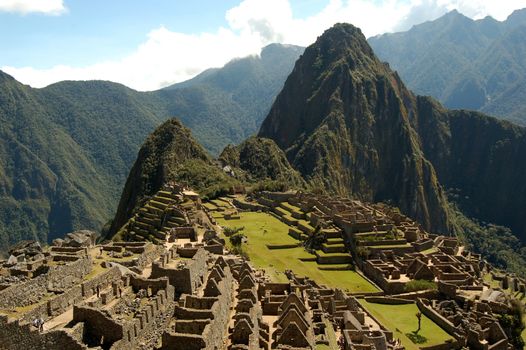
(65,150)
(229,104)
(465,63)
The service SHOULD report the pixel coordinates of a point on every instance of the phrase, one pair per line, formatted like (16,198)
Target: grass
(401,319)
(488,278)
(262,229)
(209,206)
(429,251)
(219,203)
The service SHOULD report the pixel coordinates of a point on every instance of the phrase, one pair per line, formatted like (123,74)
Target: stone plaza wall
(102,281)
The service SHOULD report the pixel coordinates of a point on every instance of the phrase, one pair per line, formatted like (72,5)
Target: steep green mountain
(227,105)
(170,153)
(464,63)
(49,184)
(344,121)
(66,149)
(479,160)
(349,125)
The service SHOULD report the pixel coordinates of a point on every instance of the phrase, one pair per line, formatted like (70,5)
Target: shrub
(229,231)
(237,239)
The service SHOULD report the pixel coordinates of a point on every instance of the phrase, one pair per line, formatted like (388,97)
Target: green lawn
(401,319)
(262,229)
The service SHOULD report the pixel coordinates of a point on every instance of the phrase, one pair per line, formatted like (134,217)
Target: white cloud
(49,7)
(167,57)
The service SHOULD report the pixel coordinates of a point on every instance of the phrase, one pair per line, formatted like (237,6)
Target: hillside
(66,149)
(61,163)
(261,159)
(465,63)
(349,125)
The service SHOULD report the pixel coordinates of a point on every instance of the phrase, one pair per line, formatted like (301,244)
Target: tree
(419,317)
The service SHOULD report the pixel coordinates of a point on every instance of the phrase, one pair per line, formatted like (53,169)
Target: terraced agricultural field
(401,319)
(262,229)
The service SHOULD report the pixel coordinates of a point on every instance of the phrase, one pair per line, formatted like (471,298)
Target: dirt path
(60,320)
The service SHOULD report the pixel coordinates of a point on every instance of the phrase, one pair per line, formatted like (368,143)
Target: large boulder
(81,238)
(26,248)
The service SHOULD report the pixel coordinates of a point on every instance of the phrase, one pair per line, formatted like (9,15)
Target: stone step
(156,204)
(156,222)
(334,248)
(162,199)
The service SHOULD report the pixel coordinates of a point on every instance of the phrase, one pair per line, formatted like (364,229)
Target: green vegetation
(229,231)
(416,285)
(262,160)
(401,320)
(496,243)
(514,324)
(262,229)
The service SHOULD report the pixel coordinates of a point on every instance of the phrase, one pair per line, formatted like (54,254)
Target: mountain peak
(342,38)
(343,116)
(5,77)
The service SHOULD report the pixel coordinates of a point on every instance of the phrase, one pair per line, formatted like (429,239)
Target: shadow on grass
(416,338)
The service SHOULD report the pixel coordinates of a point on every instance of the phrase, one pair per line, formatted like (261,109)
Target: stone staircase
(333,251)
(154,220)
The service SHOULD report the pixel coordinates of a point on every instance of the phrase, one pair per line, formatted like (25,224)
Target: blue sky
(150,44)
(94,30)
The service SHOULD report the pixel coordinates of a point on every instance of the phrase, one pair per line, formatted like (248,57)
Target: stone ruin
(175,286)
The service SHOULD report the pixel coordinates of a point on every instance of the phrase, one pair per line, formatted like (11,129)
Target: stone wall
(63,302)
(249,206)
(22,336)
(211,313)
(437,318)
(388,300)
(185,279)
(58,277)
(97,325)
(103,280)
(216,331)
